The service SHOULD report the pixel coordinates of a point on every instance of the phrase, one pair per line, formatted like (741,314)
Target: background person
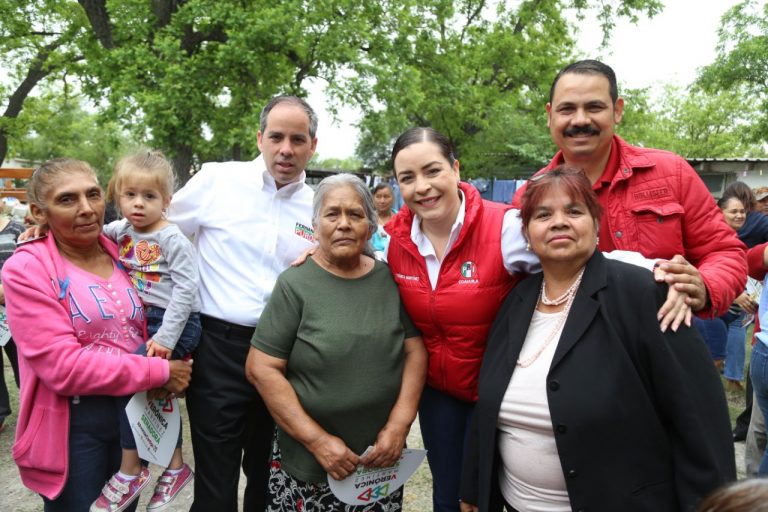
(9,234)
(383,199)
(337,361)
(752,232)
(725,335)
(549,392)
(240,252)
(761,198)
(76,357)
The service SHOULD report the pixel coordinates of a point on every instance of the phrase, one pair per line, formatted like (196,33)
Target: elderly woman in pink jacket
(77,320)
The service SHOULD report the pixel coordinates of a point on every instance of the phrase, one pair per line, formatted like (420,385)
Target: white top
(246,232)
(530,476)
(516,258)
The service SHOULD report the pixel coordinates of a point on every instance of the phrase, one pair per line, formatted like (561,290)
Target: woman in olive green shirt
(336,358)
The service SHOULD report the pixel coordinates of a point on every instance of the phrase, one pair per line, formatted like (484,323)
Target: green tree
(39,41)
(343,164)
(477,71)
(741,65)
(58,124)
(691,122)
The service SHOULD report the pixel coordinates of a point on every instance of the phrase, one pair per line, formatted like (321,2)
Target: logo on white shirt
(304,232)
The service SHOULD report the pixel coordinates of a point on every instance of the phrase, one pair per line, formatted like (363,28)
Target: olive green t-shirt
(343,340)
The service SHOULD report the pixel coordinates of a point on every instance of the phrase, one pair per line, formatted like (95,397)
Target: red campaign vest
(454,319)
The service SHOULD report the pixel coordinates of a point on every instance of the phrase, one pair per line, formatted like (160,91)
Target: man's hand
(154,349)
(335,456)
(686,279)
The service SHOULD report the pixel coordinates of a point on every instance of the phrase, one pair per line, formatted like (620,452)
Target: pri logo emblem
(469,270)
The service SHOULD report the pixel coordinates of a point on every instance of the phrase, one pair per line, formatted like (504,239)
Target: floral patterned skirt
(287,494)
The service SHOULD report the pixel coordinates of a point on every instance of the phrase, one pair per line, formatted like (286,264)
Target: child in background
(161,263)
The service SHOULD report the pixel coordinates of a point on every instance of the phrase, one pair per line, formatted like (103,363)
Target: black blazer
(639,416)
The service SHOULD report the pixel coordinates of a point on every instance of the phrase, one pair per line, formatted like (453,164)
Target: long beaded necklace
(566,298)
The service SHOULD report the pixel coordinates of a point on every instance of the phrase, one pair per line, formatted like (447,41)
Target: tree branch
(96,10)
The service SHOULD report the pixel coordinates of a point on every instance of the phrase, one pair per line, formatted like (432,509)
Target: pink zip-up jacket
(53,364)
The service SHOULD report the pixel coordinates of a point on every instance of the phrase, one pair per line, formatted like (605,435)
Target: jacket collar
(630,160)
(583,310)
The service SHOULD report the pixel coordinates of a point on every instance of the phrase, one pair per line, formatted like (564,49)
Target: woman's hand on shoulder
(334,456)
(388,448)
(466,507)
(179,376)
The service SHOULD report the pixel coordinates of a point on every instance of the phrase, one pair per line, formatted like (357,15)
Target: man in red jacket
(654,202)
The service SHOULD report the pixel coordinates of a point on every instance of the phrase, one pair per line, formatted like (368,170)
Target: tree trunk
(182,163)
(37,71)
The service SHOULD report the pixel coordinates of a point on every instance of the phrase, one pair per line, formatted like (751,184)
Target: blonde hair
(152,163)
(42,179)
(744,496)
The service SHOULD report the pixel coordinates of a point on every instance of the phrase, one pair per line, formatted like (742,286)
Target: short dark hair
(416,135)
(589,67)
(382,185)
(293,100)
(574,182)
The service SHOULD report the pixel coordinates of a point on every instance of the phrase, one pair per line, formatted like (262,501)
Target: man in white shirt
(249,221)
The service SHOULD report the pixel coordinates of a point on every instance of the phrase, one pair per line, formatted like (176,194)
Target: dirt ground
(14,497)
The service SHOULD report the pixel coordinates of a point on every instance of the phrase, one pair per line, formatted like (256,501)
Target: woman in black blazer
(591,407)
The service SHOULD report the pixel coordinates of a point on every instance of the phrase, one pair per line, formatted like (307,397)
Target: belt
(226,328)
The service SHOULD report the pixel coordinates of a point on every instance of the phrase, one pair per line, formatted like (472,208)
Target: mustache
(587,129)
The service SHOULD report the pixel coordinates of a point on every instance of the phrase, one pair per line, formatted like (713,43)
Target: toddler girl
(161,263)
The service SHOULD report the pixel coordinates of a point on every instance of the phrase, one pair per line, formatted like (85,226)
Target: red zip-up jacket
(658,205)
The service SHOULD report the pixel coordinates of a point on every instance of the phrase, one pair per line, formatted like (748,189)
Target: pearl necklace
(567,297)
(564,297)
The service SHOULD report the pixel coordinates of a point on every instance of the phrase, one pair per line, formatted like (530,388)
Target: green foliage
(479,72)
(190,76)
(58,125)
(741,66)
(343,164)
(691,122)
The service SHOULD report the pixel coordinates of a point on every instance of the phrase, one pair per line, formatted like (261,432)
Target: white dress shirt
(246,232)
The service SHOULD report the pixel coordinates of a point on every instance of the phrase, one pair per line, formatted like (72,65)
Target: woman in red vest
(454,257)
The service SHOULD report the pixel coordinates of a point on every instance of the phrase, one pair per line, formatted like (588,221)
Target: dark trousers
(5,402)
(444,422)
(94,453)
(229,422)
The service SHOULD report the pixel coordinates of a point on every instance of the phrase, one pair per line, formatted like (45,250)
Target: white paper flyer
(155,425)
(368,485)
